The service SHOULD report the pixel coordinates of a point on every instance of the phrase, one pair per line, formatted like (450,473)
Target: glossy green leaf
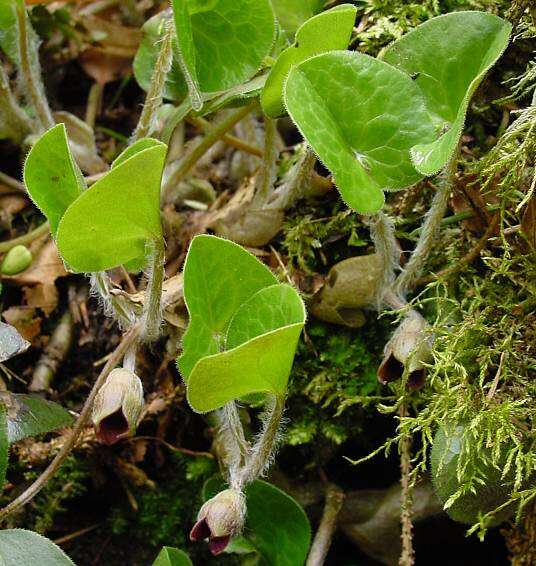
(448,57)
(145,60)
(361,116)
(172,557)
(4,446)
(276,526)
(111,223)
(7,13)
(19,547)
(136,147)
(219,276)
(325,32)
(244,327)
(292,13)
(51,175)
(222,42)
(29,415)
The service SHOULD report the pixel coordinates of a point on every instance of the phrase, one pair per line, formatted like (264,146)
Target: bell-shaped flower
(219,519)
(117,407)
(409,349)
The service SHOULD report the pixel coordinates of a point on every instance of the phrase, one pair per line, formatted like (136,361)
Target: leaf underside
(361,116)
(448,57)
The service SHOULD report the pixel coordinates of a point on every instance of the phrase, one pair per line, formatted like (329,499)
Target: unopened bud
(409,349)
(220,518)
(118,406)
(16,260)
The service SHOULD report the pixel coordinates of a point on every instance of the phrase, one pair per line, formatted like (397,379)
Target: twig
(465,260)
(54,354)
(495,383)
(328,524)
(154,96)
(35,90)
(229,139)
(29,493)
(173,448)
(26,238)
(407,557)
(76,534)
(12,183)
(93,103)
(202,146)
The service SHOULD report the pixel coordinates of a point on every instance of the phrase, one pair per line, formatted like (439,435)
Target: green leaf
(326,32)
(172,557)
(4,446)
(448,57)
(111,223)
(292,13)
(222,43)
(51,175)
(361,116)
(276,526)
(29,415)
(244,327)
(7,13)
(145,60)
(19,547)
(136,147)
(219,276)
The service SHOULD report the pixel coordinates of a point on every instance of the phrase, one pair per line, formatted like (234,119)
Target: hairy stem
(112,306)
(328,524)
(429,232)
(29,493)
(382,232)
(260,456)
(152,308)
(268,174)
(201,147)
(31,82)
(15,123)
(234,441)
(155,93)
(407,556)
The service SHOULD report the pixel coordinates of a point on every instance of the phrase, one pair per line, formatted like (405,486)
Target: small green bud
(409,349)
(117,407)
(220,518)
(16,260)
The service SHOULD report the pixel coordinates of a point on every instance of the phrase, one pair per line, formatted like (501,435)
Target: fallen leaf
(44,297)
(24,320)
(11,342)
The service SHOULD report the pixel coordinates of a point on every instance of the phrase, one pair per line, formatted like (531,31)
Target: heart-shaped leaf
(361,116)
(448,57)
(219,276)
(322,33)
(111,223)
(172,557)
(277,528)
(18,546)
(292,13)
(51,175)
(29,415)
(243,329)
(145,60)
(221,42)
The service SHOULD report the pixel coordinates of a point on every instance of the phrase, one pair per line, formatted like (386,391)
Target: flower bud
(410,348)
(118,406)
(219,519)
(16,260)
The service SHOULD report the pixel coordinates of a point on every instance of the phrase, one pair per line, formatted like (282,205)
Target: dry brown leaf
(24,319)
(45,269)
(44,297)
(104,67)
(9,206)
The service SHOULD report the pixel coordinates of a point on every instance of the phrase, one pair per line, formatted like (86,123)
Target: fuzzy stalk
(268,174)
(430,230)
(155,92)
(407,556)
(31,82)
(234,441)
(260,456)
(382,232)
(101,286)
(152,307)
(202,146)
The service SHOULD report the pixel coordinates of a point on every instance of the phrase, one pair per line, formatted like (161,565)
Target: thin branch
(13,183)
(328,524)
(28,494)
(35,90)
